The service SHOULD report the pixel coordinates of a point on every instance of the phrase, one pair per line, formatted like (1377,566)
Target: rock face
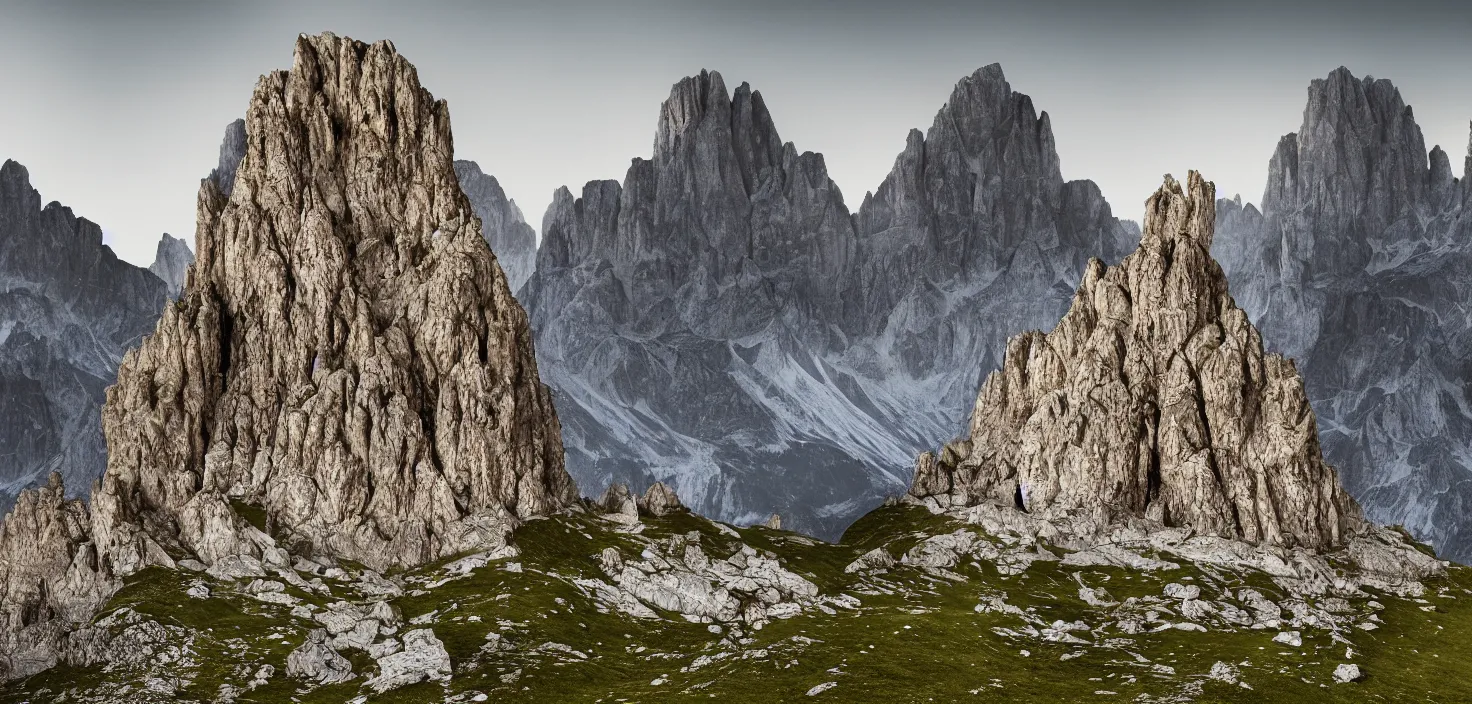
(1152,397)
(1358,266)
(50,577)
(69,308)
(171,263)
(512,240)
(346,356)
(720,322)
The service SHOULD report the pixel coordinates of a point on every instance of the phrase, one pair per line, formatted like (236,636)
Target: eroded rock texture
(51,577)
(1153,397)
(721,322)
(348,355)
(512,240)
(345,356)
(1359,265)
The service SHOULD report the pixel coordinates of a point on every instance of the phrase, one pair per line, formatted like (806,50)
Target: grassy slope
(923,642)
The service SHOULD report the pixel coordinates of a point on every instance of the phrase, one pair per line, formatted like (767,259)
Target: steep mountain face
(721,322)
(1358,266)
(171,263)
(69,308)
(346,358)
(1152,397)
(512,240)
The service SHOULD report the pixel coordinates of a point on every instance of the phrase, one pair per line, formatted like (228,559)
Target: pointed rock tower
(346,356)
(1152,397)
(171,263)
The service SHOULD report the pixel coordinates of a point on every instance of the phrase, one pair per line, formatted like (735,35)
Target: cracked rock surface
(346,359)
(1152,397)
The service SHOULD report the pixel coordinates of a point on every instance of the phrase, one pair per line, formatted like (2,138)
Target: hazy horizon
(121,106)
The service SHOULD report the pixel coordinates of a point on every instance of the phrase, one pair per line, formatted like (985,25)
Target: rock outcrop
(1152,397)
(171,263)
(512,240)
(1357,266)
(660,500)
(346,357)
(721,322)
(51,577)
(69,308)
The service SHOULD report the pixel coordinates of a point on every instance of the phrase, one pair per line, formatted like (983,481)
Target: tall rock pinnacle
(1152,397)
(346,356)
(171,263)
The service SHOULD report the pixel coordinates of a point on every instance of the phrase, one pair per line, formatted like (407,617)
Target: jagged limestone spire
(1152,397)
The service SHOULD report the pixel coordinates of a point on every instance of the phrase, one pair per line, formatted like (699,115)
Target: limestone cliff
(1152,397)
(346,356)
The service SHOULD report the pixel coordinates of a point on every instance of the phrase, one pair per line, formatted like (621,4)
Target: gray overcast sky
(118,107)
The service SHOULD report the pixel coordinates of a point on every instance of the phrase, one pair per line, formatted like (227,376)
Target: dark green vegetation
(916,638)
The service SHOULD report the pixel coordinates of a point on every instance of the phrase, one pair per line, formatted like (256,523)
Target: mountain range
(334,474)
(69,309)
(720,321)
(1359,266)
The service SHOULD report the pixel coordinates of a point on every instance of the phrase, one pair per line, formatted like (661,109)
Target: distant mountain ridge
(69,309)
(721,321)
(1359,264)
(171,263)
(513,241)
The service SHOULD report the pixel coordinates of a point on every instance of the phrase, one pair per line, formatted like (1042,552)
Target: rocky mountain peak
(1170,217)
(1357,270)
(1152,397)
(728,266)
(171,262)
(1391,160)
(16,192)
(346,358)
(232,150)
(372,287)
(987,119)
(695,102)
